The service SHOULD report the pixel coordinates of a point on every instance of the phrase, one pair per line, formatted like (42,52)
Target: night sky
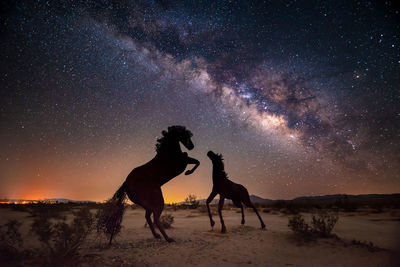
(300,97)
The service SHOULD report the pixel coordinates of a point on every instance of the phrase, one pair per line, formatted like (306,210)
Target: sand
(197,245)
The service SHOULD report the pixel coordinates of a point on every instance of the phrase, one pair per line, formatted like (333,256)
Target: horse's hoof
(157,236)
(223,230)
(212,223)
(170,240)
(188,172)
(242,221)
(263,226)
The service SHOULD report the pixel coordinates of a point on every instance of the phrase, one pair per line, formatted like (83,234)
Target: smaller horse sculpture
(227,189)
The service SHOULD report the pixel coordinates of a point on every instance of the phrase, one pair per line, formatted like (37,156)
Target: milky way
(301,97)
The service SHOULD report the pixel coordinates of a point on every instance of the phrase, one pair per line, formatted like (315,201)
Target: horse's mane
(221,158)
(172,130)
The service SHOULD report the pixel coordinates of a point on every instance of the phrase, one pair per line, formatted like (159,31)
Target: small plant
(192,201)
(322,225)
(299,226)
(61,241)
(109,219)
(166,220)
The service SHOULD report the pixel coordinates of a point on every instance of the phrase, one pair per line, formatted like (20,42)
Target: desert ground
(242,245)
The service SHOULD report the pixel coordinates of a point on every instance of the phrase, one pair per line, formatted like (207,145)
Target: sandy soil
(197,244)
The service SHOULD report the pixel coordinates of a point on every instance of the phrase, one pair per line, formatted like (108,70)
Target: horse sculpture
(143,184)
(227,189)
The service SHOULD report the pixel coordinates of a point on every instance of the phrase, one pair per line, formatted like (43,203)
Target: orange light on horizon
(169,199)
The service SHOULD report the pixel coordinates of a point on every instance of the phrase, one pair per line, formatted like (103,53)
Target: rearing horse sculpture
(227,189)
(143,184)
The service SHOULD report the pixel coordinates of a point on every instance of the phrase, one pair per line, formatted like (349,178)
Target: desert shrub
(60,240)
(192,202)
(166,220)
(10,242)
(109,219)
(298,225)
(322,225)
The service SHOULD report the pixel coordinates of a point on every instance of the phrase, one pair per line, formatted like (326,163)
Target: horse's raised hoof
(170,240)
(188,172)
(157,236)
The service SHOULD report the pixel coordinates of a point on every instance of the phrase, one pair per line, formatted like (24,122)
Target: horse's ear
(164,133)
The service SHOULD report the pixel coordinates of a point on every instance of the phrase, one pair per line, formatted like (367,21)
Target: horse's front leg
(209,199)
(220,206)
(190,160)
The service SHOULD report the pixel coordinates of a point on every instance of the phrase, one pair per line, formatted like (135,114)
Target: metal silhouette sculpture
(227,189)
(143,184)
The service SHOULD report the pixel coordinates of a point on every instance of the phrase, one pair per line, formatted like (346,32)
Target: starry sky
(300,97)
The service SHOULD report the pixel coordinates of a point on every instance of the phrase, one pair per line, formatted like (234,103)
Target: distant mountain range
(364,199)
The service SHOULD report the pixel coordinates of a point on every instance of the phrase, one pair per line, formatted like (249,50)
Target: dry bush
(166,220)
(299,226)
(109,219)
(192,202)
(10,242)
(322,225)
(61,241)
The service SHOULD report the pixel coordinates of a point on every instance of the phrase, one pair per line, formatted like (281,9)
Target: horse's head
(216,159)
(183,135)
(177,133)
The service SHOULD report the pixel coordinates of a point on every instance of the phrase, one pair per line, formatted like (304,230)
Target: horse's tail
(120,195)
(110,215)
